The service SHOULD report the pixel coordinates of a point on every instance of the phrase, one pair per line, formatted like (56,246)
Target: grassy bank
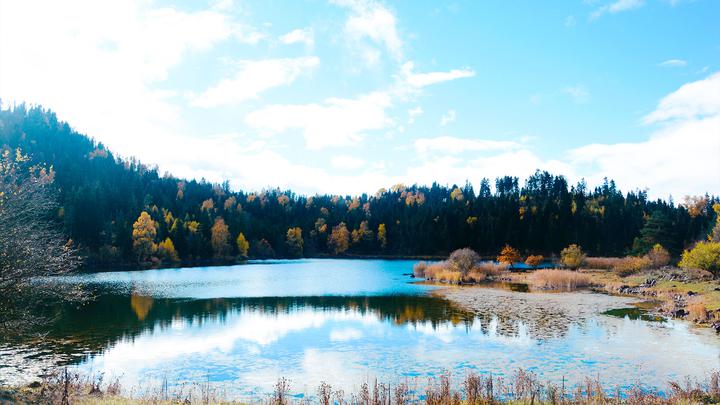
(520,387)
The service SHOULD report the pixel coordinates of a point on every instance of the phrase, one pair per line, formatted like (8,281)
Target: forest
(120,212)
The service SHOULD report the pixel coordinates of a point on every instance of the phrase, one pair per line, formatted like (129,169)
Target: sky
(348,96)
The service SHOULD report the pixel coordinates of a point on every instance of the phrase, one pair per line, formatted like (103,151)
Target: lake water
(346,322)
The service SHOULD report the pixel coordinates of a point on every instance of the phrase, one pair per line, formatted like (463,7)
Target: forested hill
(121,211)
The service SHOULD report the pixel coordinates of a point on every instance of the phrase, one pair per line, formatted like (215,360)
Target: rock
(691,293)
(716,326)
(680,313)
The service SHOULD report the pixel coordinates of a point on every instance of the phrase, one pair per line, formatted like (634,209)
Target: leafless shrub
(281,391)
(32,245)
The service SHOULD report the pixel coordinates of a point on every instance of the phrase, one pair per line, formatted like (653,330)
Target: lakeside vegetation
(120,212)
(519,387)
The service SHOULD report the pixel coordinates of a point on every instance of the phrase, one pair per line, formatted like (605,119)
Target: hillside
(102,195)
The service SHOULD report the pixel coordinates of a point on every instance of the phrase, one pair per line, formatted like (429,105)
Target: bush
(432,270)
(419,269)
(602,263)
(659,256)
(463,260)
(572,256)
(484,270)
(631,265)
(560,279)
(534,260)
(697,311)
(704,256)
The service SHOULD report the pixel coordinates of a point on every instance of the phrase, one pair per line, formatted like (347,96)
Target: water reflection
(195,324)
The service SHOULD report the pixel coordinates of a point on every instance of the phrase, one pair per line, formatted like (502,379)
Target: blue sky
(347,96)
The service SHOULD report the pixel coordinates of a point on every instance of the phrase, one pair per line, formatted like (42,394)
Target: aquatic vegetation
(560,279)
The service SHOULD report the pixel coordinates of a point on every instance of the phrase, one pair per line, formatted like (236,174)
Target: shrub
(485,270)
(659,256)
(534,260)
(432,270)
(463,260)
(449,276)
(631,265)
(419,269)
(704,256)
(509,255)
(602,263)
(560,279)
(572,256)
(697,311)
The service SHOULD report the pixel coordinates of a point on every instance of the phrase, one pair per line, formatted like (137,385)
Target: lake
(346,322)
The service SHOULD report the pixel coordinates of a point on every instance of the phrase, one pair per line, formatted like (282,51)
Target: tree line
(120,211)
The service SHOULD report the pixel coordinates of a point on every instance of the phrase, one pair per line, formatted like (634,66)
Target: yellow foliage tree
(456,194)
(294,242)
(166,251)
(509,255)
(242,244)
(572,256)
(339,240)
(382,236)
(220,238)
(363,233)
(144,233)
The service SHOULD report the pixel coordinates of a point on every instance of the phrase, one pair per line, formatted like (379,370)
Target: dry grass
(601,263)
(631,265)
(697,311)
(519,387)
(559,279)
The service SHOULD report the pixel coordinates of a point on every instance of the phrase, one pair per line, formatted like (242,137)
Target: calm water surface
(348,321)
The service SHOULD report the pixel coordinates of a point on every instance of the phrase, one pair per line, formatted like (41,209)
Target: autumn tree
(715,233)
(363,236)
(294,242)
(382,236)
(339,240)
(704,256)
(144,233)
(572,256)
(220,238)
(262,249)
(533,261)
(242,244)
(166,251)
(509,255)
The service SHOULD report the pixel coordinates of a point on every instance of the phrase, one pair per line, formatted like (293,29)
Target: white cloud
(414,113)
(578,93)
(617,7)
(453,145)
(97,63)
(299,36)
(347,162)
(334,122)
(448,117)
(693,100)
(673,63)
(426,79)
(253,78)
(679,158)
(370,19)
